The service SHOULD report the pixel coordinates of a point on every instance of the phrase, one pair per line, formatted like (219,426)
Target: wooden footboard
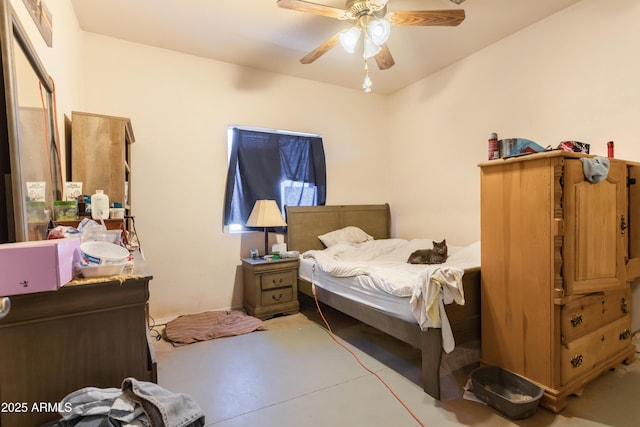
(465,319)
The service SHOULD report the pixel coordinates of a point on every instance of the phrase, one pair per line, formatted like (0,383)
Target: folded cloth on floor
(209,325)
(138,403)
(595,169)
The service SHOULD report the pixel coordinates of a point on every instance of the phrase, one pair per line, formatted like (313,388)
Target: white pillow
(348,234)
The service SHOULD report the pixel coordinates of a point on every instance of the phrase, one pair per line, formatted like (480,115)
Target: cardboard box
(28,267)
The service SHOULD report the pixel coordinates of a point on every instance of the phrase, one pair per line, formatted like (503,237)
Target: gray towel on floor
(595,169)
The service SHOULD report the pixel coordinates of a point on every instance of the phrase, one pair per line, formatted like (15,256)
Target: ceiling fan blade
(384,58)
(320,50)
(450,18)
(318,9)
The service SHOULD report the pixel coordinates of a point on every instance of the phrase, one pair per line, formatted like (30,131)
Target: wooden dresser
(90,332)
(558,252)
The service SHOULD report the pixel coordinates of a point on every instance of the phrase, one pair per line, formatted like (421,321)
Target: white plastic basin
(103,253)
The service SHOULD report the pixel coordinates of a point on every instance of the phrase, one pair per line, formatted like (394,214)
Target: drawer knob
(277,298)
(624,307)
(576,320)
(278,281)
(624,335)
(576,360)
(5,306)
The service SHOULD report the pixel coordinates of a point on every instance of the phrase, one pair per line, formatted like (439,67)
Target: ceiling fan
(370,17)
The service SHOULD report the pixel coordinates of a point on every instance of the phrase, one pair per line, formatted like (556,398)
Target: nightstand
(270,288)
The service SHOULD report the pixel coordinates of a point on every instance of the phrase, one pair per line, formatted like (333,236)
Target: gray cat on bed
(437,255)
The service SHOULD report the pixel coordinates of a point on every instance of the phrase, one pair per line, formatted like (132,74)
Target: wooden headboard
(306,223)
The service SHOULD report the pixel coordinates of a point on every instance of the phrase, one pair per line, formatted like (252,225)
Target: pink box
(45,265)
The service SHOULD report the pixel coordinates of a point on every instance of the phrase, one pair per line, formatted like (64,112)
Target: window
(269,164)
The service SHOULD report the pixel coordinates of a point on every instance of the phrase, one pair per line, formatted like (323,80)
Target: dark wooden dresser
(90,332)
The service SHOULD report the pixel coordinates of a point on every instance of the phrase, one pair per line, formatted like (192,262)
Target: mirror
(33,175)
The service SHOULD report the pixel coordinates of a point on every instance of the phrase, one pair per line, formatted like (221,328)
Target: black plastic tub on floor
(514,396)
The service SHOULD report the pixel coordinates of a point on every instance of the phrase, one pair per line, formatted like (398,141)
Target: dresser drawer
(585,353)
(277,296)
(278,279)
(586,314)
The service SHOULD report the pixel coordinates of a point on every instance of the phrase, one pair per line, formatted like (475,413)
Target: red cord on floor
(332,335)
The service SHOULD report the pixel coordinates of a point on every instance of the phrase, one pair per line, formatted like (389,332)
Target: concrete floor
(294,374)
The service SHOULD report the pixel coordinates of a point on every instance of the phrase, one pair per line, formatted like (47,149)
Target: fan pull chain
(367,83)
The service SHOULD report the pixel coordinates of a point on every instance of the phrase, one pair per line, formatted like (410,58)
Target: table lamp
(265,213)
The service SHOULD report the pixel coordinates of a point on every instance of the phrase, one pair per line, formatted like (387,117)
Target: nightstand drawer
(277,296)
(280,279)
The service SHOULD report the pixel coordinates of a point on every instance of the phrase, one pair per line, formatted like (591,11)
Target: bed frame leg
(431,357)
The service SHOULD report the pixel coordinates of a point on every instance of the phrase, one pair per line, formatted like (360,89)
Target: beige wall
(62,60)
(180,107)
(572,76)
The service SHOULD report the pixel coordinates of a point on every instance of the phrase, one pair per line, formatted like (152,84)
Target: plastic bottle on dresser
(493,146)
(99,205)
(610,149)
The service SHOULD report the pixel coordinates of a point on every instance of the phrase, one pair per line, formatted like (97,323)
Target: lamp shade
(265,213)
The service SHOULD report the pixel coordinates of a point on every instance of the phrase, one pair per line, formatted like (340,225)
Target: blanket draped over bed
(381,266)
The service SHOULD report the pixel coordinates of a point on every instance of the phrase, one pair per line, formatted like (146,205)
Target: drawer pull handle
(576,361)
(576,320)
(624,307)
(277,298)
(278,281)
(623,225)
(624,335)
(5,306)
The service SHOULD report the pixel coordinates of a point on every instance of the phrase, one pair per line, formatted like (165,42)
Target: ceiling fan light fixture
(379,4)
(370,48)
(371,18)
(379,30)
(349,38)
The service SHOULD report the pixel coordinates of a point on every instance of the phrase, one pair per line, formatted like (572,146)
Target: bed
(306,223)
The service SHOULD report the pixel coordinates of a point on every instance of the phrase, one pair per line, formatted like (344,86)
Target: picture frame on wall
(42,18)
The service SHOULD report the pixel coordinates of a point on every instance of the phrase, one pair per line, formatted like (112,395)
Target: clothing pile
(137,404)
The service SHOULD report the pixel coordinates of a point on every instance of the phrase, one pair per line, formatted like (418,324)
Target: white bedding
(353,289)
(377,270)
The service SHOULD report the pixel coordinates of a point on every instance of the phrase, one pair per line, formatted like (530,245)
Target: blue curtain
(261,161)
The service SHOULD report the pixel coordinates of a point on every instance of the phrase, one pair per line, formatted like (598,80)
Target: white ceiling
(259,34)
